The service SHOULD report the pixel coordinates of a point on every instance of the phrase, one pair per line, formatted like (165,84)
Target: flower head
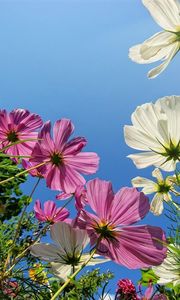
(110,229)
(66,255)
(161,188)
(169,270)
(126,290)
(149,294)
(63,160)
(165,44)
(155,131)
(51,213)
(17,126)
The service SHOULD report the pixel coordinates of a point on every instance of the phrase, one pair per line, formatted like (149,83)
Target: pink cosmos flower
(148,295)
(64,160)
(51,213)
(18,125)
(132,246)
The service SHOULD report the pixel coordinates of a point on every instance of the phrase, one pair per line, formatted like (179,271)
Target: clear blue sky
(70,59)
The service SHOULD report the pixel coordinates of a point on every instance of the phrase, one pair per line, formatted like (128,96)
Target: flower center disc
(56,159)
(12,136)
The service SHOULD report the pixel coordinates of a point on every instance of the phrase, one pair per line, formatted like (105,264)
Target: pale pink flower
(132,246)
(16,126)
(64,160)
(50,213)
(148,295)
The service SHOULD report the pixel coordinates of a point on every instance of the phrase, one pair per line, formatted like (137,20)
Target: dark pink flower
(50,213)
(18,125)
(126,290)
(64,160)
(132,246)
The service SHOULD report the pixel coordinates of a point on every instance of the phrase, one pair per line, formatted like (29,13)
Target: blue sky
(70,59)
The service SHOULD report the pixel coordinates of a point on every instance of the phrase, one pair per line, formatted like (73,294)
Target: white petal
(173,49)
(148,185)
(146,159)
(47,252)
(140,140)
(61,270)
(171,106)
(157,174)
(69,238)
(156,206)
(150,120)
(154,44)
(165,12)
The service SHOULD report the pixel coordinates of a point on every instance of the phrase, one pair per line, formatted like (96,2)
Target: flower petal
(157,204)
(165,12)
(85,162)
(61,270)
(74,146)
(173,49)
(128,207)
(100,196)
(47,252)
(148,185)
(139,247)
(61,132)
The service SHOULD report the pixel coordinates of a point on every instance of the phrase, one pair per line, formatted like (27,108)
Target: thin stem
(73,275)
(22,173)
(24,210)
(19,224)
(16,143)
(176,205)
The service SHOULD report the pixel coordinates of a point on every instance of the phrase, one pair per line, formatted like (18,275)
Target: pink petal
(61,214)
(129,206)
(63,196)
(38,211)
(46,141)
(74,146)
(25,120)
(49,209)
(54,178)
(85,162)
(149,291)
(100,196)
(138,247)
(61,132)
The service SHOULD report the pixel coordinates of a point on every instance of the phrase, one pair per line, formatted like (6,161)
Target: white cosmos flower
(66,255)
(156,132)
(169,270)
(165,44)
(161,187)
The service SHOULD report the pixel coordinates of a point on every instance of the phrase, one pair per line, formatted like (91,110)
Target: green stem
(17,142)
(18,258)
(176,205)
(73,275)
(22,173)
(19,224)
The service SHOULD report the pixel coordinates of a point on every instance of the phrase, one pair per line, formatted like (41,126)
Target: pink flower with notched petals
(51,213)
(63,159)
(132,246)
(16,126)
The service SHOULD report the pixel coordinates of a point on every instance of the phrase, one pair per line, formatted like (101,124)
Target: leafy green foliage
(87,286)
(11,197)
